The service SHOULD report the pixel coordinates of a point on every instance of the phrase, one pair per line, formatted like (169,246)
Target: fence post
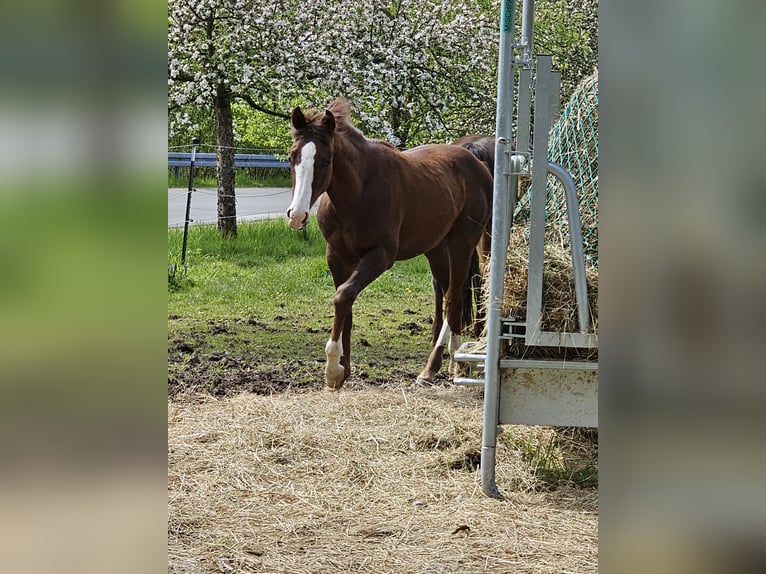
(195,143)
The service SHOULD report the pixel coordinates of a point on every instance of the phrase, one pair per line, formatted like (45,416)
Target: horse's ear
(328,121)
(298,120)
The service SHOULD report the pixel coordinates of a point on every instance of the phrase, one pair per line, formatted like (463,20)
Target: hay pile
(559,303)
(368,480)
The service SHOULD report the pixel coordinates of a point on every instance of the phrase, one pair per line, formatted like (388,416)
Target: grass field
(206,177)
(269,472)
(265,300)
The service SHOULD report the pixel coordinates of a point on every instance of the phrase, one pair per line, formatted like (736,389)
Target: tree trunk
(227,206)
(395,119)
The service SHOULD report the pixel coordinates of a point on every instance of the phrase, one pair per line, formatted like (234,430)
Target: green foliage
(568,31)
(268,258)
(243,177)
(270,240)
(257,130)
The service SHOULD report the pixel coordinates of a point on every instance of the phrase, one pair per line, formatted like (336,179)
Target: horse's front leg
(338,351)
(338,348)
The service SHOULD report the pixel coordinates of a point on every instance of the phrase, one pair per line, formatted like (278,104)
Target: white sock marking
(443,334)
(454,344)
(334,349)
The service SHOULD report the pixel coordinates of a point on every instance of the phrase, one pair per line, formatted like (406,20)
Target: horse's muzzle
(295,220)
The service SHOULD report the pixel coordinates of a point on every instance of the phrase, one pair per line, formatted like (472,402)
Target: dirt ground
(269,472)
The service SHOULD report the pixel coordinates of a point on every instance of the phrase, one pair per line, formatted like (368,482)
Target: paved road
(252,203)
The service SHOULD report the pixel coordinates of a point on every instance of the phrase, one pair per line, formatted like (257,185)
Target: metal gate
(521,391)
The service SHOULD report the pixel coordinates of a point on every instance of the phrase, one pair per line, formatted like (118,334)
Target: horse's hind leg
(438,261)
(477,281)
(461,250)
(436,326)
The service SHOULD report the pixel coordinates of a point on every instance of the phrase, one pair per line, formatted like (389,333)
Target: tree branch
(182,77)
(250,102)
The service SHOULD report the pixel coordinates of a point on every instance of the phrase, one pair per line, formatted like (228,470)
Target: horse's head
(310,163)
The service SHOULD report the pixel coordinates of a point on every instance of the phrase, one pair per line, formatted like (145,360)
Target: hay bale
(559,311)
(559,303)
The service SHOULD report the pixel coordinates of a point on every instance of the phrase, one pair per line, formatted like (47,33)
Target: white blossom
(414,70)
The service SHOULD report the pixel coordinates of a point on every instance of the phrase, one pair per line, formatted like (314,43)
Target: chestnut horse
(379,205)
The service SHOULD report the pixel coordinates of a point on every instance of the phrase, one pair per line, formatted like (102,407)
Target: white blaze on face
(304,176)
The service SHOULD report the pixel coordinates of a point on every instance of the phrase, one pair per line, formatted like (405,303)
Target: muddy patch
(225,357)
(222,374)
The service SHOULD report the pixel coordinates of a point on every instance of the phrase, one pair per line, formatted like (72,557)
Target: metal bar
(548,364)
(469,358)
(503,201)
(527,31)
(195,142)
(575,242)
(537,198)
(525,110)
(555,96)
(241,160)
(468,382)
(568,340)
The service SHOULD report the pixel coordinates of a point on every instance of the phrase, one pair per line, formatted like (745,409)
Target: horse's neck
(345,188)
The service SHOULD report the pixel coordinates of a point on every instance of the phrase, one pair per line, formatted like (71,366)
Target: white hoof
(334,375)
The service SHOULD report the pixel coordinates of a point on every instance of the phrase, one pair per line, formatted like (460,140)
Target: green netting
(574,145)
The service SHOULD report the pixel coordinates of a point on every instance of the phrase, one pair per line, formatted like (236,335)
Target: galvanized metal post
(555,99)
(523,124)
(504,197)
(527,30)
(537,198)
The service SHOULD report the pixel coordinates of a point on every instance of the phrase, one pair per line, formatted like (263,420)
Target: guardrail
(182,159)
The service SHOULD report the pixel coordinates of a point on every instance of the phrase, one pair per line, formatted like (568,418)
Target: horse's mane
(341,110)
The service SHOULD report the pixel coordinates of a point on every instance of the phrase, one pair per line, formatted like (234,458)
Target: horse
(482,146)
(378,205)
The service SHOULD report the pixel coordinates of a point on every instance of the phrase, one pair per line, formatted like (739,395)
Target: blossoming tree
(415,71)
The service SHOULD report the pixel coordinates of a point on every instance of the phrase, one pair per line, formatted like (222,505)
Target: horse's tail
(472,296)
(474,301)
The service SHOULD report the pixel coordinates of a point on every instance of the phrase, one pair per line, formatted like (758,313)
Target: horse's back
(451,165)
(451,159)
(448,184)
(483,147)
